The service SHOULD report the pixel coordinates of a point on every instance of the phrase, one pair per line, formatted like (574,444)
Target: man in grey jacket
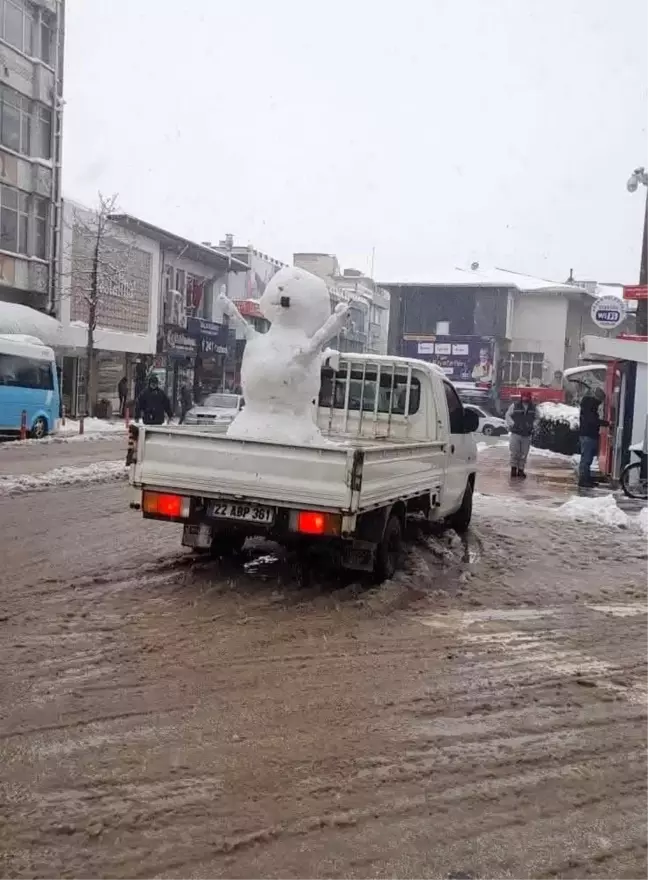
(520,419)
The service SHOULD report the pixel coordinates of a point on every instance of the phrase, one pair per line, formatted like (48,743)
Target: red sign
(539,395)
(249,308)
(635,291)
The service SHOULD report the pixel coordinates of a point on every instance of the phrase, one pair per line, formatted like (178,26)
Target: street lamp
(640,176)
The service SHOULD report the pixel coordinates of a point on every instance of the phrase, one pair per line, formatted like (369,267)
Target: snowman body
(281,369)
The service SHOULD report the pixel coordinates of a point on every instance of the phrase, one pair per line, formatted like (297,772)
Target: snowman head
(296,299)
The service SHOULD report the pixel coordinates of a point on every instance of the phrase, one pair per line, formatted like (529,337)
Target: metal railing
(368,398)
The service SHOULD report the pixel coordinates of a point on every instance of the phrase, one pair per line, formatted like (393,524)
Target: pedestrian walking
(590,425)
(122,391)
(153,404)
(185,402)
(520,419)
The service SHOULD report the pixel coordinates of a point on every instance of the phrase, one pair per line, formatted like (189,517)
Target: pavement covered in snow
(96,472)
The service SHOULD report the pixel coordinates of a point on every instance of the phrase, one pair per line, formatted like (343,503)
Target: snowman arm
(331,327)
(229,308)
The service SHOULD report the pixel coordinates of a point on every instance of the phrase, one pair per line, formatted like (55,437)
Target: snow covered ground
(97,472)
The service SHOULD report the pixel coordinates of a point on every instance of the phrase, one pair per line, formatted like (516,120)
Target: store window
(522,367)
(15,121)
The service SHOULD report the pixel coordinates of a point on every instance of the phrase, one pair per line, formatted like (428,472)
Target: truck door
(458,448)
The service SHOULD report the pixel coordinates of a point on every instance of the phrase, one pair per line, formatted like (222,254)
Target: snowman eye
(284,301)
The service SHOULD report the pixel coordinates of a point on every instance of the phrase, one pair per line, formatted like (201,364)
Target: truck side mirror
(471,421)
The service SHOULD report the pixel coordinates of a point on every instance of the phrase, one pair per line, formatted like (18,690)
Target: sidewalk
(549,475)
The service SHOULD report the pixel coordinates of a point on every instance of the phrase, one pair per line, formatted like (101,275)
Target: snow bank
(560,412)
(603,510)
(549,453)
(98,472)
(642,520)
(91,426)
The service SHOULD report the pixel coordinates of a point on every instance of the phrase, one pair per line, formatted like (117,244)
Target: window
(17,25)
(522,366)
(22,372)
(47,44)
(44,139)
(180,281)
(333,392)
(15,121)
(40,228)
(455,410)
(14,220)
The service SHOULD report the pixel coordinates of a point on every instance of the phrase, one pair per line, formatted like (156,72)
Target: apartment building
(31,81)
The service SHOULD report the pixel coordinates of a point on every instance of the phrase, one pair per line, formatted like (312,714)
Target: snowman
(280,373)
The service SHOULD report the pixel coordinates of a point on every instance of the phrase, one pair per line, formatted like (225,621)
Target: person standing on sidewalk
(589,428)
(122,391)
(153,404)
(520,419)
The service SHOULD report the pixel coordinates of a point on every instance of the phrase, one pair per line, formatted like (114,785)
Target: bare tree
(102,271)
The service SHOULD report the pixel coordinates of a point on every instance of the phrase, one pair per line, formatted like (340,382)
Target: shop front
(211,353)
(176,362)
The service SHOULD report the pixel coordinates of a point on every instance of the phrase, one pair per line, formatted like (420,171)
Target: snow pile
(642,520)
(90,426)
(98,472)
(549,453)
(603,510)
(16,318)
(560,412)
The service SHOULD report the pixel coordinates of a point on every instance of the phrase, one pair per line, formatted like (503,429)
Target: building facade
(31,83)
(495,328)
(128,282)
(368,325)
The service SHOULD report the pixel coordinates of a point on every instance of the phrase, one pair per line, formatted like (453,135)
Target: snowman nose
(284,302)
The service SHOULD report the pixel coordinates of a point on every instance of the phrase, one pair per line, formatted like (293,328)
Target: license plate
(255,513)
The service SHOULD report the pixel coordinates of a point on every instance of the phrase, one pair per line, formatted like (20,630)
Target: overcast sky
(437,131)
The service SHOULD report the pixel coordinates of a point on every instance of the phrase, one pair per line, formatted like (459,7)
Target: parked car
(216,409)
(490,425)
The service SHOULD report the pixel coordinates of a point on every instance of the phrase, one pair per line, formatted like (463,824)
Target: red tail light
(314,522)
(166,505)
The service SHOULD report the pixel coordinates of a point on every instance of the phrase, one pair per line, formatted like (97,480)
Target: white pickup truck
(397,441)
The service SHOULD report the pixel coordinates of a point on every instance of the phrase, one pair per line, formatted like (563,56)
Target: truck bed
(346,476)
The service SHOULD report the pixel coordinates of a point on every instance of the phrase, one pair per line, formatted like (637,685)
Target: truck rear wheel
(460,520)
(226,544)
(388,551)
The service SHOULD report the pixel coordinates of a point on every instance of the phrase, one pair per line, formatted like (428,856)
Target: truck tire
(226,544)
(460,520)
(388,550)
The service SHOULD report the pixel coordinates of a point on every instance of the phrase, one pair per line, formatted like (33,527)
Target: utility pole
(640,176)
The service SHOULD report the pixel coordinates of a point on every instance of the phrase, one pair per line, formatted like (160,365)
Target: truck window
(333,392)
(455,410)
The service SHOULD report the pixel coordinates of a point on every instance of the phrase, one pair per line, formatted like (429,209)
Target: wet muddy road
(484,714)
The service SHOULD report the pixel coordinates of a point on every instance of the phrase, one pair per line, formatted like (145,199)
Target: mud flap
(197,535)
(358,555)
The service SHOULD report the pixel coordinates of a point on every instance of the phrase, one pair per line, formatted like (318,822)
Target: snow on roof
(487,278)
(16,318)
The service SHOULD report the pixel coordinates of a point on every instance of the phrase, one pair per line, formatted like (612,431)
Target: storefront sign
(608,312)
(462,358)
(176,341)
(198,327)
(636,291)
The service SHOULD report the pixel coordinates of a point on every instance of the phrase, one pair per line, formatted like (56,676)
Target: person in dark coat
(185,402)
(520,419)
(122,391)
(589,428)
(153,404)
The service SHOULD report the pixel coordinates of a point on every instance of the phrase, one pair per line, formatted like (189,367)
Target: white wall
(538,325)
(73,336)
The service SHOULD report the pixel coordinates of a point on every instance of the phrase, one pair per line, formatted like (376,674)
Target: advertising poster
(462,358)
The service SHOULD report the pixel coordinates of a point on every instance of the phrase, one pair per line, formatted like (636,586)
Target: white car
(216,409)
(492,426)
